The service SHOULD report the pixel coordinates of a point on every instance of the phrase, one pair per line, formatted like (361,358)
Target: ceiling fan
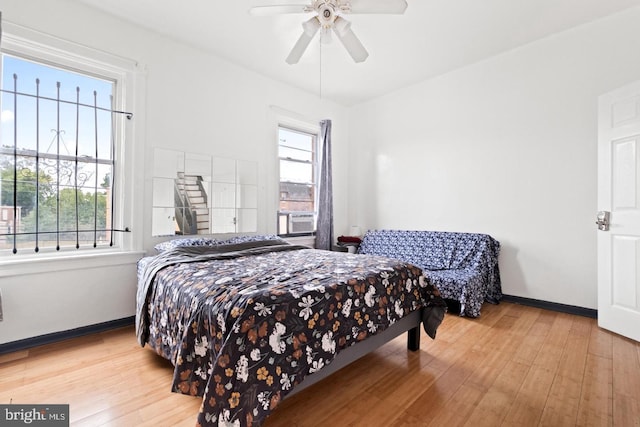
(328,15)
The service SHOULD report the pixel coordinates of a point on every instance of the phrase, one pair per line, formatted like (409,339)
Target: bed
(245,323)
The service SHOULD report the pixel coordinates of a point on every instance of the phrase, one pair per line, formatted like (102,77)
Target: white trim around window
(129,150)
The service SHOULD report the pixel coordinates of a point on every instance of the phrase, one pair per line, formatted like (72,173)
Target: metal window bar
(57,168)
(13,233)
(113,175)
(95,192)
(15,161)
(75,177)
(37,248)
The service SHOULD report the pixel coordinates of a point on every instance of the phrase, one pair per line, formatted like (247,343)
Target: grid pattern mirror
(202,194)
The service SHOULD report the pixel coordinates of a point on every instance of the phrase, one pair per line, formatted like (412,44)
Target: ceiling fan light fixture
(328,17)
(352,44)
(341,26)
(327,14)
(325,35)
(311,26)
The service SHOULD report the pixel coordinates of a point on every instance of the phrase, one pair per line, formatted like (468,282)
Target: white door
(619,194)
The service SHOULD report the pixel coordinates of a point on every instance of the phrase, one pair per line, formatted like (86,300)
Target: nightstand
(352,248)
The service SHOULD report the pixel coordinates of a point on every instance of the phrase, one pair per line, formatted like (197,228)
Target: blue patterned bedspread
(463,266)
(245,325)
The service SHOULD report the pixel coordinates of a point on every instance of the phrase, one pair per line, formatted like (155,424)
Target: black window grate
(63,165)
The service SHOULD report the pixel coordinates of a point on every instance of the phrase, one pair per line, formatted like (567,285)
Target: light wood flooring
(514,366)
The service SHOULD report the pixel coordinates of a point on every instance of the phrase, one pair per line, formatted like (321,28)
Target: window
(59,143)
(298,165)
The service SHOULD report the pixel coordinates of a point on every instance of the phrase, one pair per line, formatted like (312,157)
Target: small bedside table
(352,248)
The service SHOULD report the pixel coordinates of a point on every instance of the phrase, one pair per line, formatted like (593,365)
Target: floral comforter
(244,324)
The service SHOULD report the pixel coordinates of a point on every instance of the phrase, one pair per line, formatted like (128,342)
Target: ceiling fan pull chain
(320,70)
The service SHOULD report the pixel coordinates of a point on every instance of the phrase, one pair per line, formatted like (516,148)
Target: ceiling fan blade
(299,48)
(349,40)
(310,27)
(378,6)
(278,9)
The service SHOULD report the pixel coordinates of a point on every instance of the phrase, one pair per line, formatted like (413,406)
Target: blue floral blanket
(463,266)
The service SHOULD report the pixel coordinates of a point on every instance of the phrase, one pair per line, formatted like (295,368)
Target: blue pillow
(190,241)
(251,238)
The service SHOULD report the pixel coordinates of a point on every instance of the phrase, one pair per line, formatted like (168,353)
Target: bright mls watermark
(34,415)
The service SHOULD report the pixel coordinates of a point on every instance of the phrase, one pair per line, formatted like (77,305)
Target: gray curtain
(324,230)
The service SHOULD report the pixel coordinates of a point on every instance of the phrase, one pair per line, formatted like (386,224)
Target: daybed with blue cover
(463,266)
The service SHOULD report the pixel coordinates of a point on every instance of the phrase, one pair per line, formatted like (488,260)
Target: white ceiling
(431,38)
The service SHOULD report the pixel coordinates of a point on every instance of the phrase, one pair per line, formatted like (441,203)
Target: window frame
(314,131)
(28,44)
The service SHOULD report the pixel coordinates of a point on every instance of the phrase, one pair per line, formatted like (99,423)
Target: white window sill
(302,240)
(45,263)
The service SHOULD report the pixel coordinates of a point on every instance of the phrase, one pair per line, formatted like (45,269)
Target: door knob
(603,220)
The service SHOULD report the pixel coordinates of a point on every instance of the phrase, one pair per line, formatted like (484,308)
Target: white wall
(194,102)
(506,147)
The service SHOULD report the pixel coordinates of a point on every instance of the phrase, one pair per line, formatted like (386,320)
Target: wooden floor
(514,366)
